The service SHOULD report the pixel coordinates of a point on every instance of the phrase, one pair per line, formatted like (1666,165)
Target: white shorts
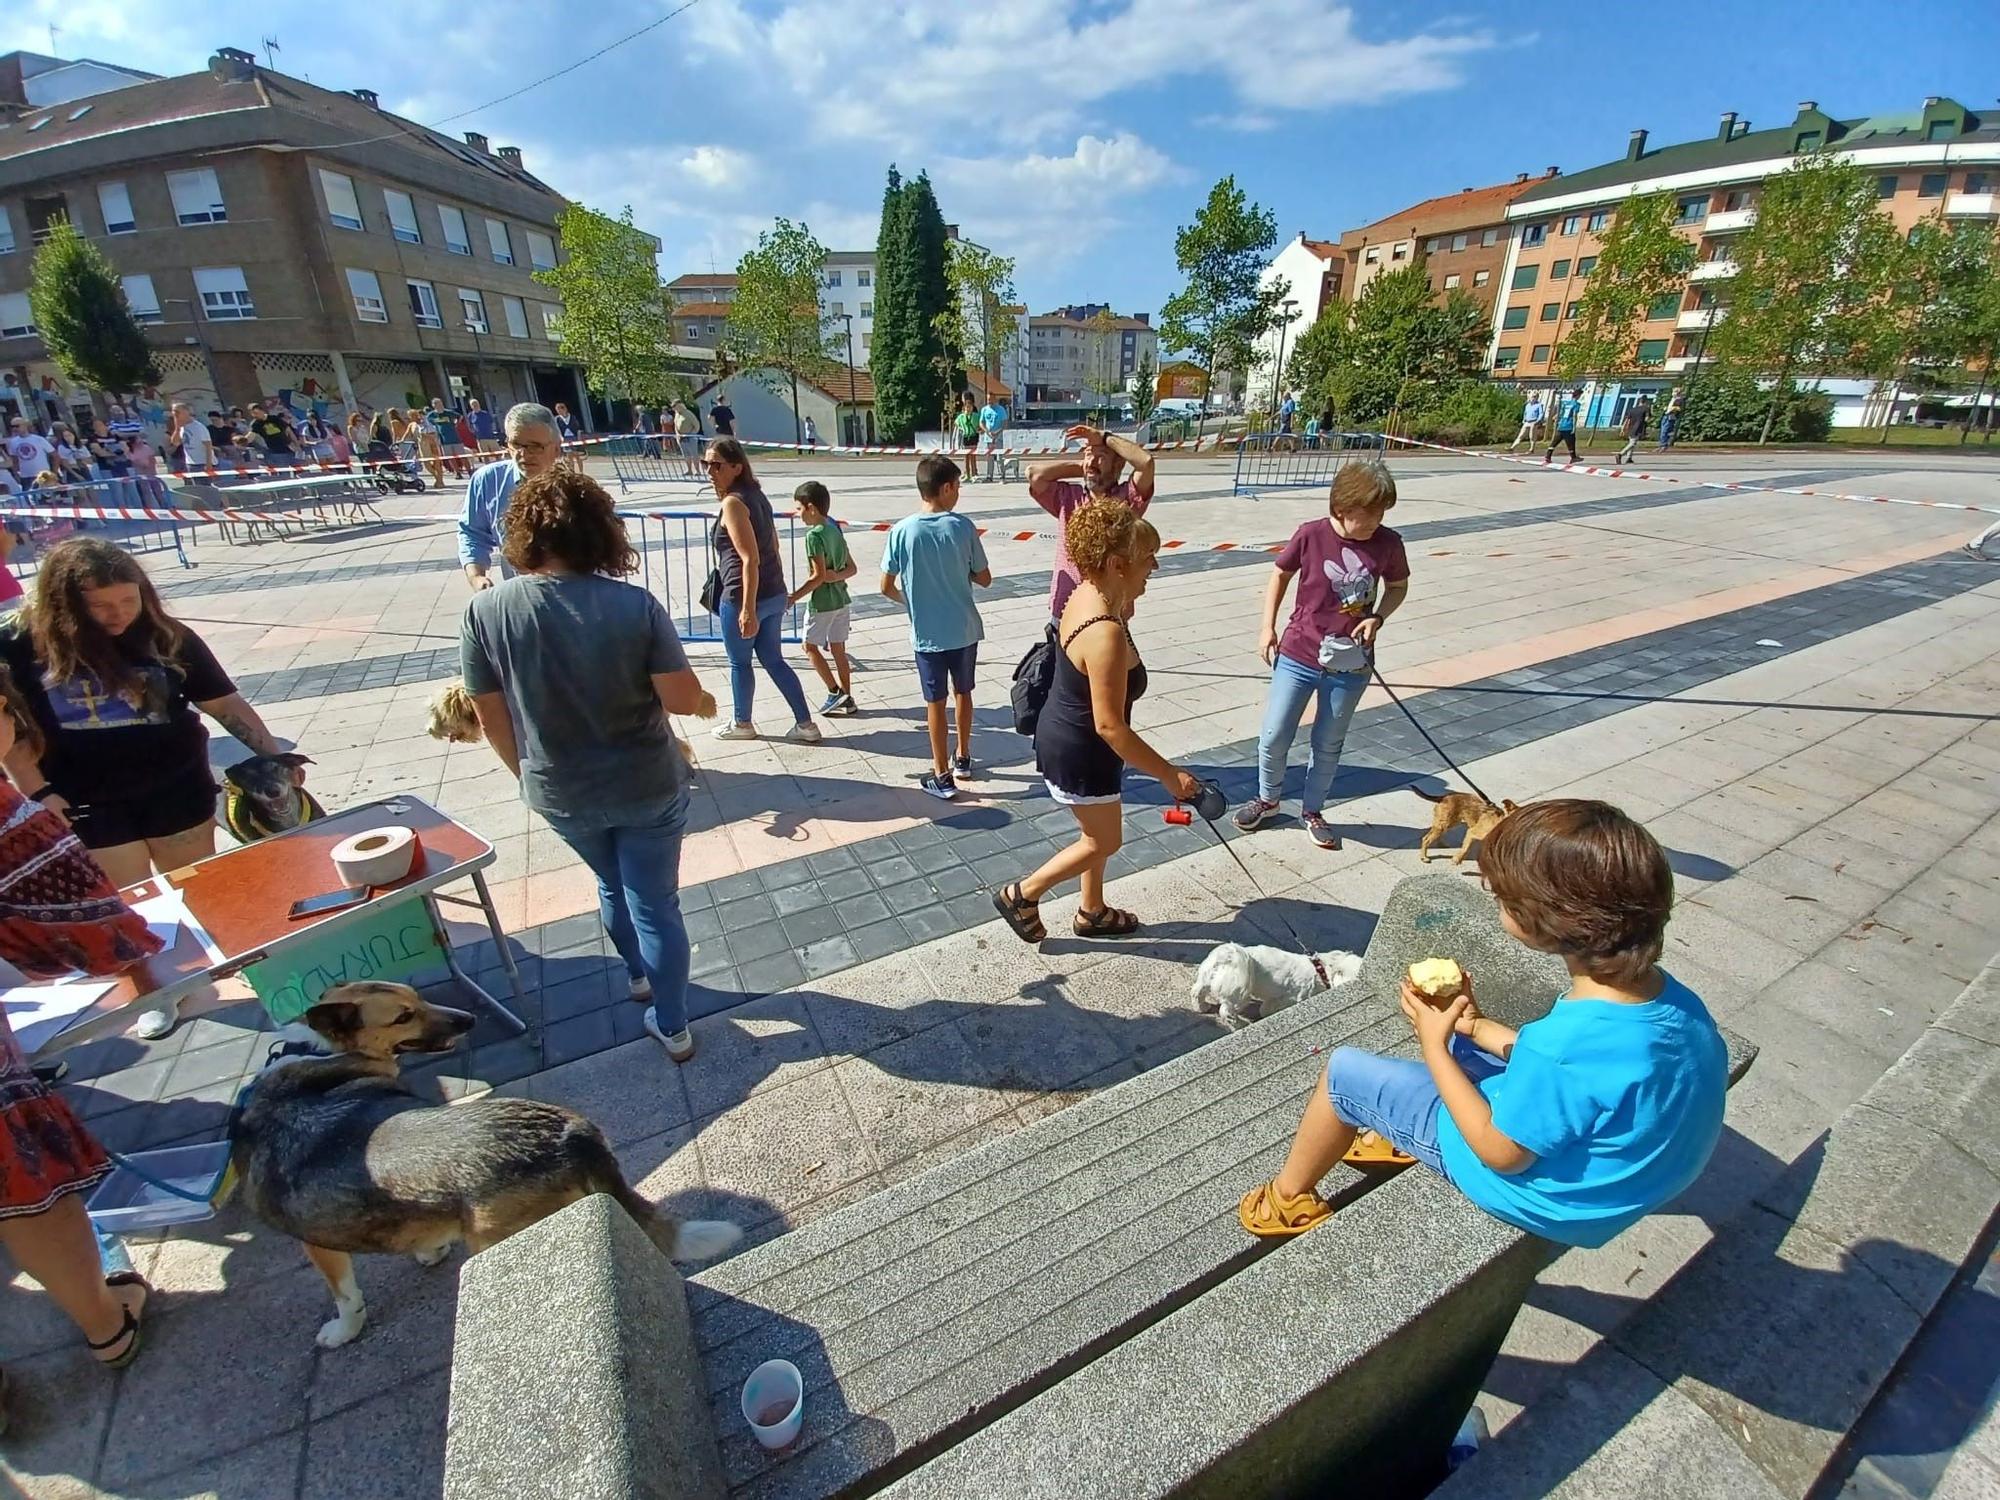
(827,627)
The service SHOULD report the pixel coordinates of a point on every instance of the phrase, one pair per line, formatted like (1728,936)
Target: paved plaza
(1798,694)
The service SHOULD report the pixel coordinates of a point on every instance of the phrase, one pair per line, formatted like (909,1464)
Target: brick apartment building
(1941,158)
(274,236)
(1086,349)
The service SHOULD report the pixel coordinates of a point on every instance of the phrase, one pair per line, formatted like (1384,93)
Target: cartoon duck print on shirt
(1353,580)
(83,702)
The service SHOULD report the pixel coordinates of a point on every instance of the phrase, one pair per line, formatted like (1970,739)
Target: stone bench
(1069,1310)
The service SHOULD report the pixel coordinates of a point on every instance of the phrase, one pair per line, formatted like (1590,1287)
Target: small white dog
(1242,984)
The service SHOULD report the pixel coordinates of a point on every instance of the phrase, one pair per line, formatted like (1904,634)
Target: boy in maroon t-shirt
(1352,576)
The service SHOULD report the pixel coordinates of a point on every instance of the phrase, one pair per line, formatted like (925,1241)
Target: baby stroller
(394,472)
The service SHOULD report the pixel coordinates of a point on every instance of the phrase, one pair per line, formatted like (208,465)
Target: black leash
(1441,755)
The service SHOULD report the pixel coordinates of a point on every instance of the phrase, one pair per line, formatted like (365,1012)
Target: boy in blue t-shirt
(1577,1125)
(929,567)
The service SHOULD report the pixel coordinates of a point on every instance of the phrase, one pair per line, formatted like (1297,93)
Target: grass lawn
(1905,437)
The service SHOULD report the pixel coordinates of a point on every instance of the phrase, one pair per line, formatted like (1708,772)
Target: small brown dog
(1479,816)
(452,718)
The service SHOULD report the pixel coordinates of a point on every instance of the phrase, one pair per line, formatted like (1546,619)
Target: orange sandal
(1269,1215)
(1372,1150)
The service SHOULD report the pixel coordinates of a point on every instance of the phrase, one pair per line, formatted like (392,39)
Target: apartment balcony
(1712,270)
(1971,205)
(1697,318)
(1730,221)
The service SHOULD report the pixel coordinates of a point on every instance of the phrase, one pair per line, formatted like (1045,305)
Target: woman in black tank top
(1084,739)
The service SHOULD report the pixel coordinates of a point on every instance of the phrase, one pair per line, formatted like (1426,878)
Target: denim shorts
(935,667)
(1396,1097)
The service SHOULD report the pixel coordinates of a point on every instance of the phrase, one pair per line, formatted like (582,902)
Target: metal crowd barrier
(1282,461)
(652,458)
(675,555)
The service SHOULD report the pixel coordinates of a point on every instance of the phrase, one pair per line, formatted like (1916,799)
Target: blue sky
(1073,135)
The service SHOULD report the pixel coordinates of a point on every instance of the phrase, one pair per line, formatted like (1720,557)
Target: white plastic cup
(774,1402)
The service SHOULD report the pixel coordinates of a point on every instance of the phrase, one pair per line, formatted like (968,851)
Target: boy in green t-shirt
(826,584)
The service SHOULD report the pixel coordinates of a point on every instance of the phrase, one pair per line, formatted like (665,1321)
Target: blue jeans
(768,649)
(1292,684)
(1397,1098)
(638,870)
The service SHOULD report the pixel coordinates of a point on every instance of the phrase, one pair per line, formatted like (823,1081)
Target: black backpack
(1034,675)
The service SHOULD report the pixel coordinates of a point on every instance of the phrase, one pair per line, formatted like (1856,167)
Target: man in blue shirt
(534,448)
(485,431)
(1567,409)
(992,421)
(932,560)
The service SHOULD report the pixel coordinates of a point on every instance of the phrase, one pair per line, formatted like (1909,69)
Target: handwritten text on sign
(391,942)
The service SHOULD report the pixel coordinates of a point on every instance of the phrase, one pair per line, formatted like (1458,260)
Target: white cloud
(716,166)
(1248,122)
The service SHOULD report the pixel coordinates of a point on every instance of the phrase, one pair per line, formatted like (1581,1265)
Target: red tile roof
(1471,208)
(716,278)
(1324,249)
(850,387)
(701,309)
(987,387)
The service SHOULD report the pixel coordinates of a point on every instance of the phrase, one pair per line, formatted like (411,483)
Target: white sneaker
(736,731)
(679,1044)
(804,734)
(642,987)
(154,1024)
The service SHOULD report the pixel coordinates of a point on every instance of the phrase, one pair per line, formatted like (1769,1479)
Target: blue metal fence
(653,458)
(1285,461)
(676,553)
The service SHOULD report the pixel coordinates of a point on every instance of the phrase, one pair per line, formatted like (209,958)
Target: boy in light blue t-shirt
(929,567)
(1580,1123)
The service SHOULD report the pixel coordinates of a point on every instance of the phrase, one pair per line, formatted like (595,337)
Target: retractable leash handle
(1211,804)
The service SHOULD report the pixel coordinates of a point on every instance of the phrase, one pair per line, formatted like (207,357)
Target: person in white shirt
(31,452)
(191,439)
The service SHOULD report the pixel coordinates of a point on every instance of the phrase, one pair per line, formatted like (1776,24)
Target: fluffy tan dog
(452,718)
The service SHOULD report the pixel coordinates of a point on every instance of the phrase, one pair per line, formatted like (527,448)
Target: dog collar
(1325,980)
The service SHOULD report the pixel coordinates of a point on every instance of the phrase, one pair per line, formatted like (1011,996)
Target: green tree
(1643,260)
(1395,348)
(1930,324)
(1145,387)
(976,319)
(1224,309)
(775,323)
(1811,276)
(616,317)
(80,311)
(913,367)
(1982,336)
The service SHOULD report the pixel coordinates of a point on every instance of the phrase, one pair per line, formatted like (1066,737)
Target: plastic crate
(127,1202)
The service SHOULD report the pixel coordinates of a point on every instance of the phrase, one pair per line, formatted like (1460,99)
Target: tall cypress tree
(896,357)
(941,366)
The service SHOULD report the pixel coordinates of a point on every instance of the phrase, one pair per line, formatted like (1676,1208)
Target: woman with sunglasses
(754,596)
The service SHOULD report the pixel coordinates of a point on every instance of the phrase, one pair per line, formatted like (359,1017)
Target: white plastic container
(774,1402)
(126,1203)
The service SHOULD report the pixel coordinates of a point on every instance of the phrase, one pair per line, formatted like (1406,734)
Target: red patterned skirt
(44,1149)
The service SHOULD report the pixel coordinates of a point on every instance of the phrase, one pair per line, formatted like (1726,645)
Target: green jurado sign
(391,942)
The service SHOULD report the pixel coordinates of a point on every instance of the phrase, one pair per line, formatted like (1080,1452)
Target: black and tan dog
(261,797)
(338,1153)
(1479,816)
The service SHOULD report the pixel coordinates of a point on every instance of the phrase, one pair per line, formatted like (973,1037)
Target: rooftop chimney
(1728,130)
(477,142)
(232,65)
(1520,176)
(1808,106)
(1636,147)
(1553,172)
(1929,100)
(510,155)
(1742,129)
(367,97)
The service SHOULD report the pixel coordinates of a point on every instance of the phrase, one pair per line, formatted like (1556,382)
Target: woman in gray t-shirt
(572,674)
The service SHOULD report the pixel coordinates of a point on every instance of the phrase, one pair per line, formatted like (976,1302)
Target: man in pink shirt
(1053,487)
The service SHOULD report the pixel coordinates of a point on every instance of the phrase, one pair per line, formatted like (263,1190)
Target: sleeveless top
(1069,752)
(770,571)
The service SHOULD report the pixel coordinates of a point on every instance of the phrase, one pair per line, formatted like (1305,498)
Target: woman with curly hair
(112,682)
(572,674)
(1084,739)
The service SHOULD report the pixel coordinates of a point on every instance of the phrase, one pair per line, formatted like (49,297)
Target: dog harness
(239,814)
(1325,980)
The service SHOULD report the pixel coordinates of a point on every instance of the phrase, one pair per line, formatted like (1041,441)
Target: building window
(1653,351)
(868,311)
(1559,270)
(1451,281)
(694,331)
(1666,305)
(1737,201)
(197,197)
(1489,236)
(551,321)
(1372,255)
(424,305)
(1570,310)
(866,340)
(1978,182)
(1480,278)
(366,289)
(1572,223)
(1692,210)
(1807,140)
(225,295)
(1515,317)
(864,278)
(456,239)
(472,310)
(541,251)
(1434,244)
(342,207)
(1931,185)
(1885,187)
(497,242)
(1940,130)
(1550,310)
(515,311)
(6,231)
(1460,241)
(1506,356)
(16,320)
(1585,266)
(1533,235)
(1596,222)
(1401,252)
(833,278)
(117,206)
(402,217)
(1525,277)
(1538,354)
(142,299)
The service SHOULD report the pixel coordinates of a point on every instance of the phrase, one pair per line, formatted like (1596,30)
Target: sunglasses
(715,463)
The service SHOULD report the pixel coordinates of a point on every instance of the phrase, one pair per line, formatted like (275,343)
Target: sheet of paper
(39,1012)
(168,911)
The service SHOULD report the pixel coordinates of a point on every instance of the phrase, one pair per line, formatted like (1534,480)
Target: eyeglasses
(715,463)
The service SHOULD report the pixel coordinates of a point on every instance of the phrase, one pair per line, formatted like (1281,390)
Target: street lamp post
(1278,376)
(853,405)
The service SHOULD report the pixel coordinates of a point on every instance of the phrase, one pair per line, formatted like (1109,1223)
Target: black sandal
(1108,921)
(129,1329)
(1019,913)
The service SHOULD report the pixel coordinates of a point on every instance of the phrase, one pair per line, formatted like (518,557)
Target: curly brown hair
(566,518)
(1102,529)
(1583,881)
(71,644)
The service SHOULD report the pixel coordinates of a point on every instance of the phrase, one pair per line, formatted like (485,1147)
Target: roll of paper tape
(376,856)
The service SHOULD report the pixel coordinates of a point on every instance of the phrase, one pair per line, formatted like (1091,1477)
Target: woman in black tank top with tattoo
(1084,738)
